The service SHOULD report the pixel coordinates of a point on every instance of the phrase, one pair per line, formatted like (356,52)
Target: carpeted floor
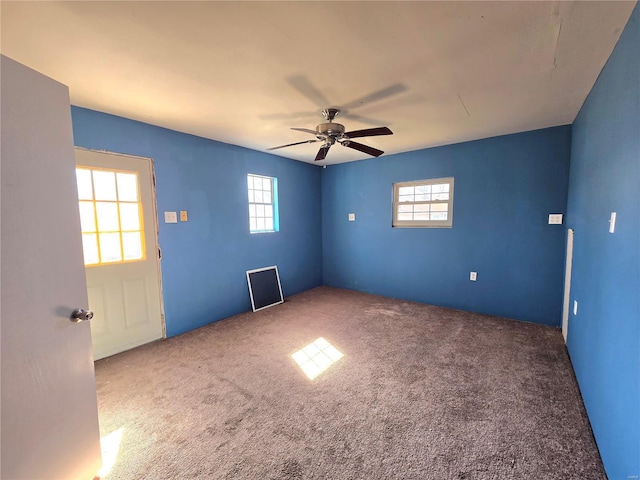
(421,392)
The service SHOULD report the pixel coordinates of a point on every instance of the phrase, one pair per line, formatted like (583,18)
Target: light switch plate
(555,219)
(170,217)
(352,217)
(183,216)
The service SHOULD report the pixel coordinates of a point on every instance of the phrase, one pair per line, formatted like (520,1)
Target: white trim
(567,285)
(255,270)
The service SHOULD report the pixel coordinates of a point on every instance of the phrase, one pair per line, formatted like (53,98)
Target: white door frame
(567,284)
(156,233)
(158,252)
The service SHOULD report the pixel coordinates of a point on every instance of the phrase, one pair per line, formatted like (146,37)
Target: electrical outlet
(473,276)
(352,217)
(170,217)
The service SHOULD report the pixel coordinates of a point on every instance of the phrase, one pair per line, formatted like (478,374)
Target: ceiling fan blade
(322,153)
(360,118)
(369,132)
(308,130)
(292,144)
(364,148)
(304,86)
(296,116)
(375,96)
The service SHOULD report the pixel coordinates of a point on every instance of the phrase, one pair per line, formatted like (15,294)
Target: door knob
(81,315)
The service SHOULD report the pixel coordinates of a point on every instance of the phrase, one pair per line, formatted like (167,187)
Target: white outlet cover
(473,276)
(352,217)
(170,217)
(555,219)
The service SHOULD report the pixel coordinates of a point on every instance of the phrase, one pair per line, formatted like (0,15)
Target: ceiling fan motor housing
(329,129)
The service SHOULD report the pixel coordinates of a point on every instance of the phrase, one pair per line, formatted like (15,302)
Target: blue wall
(604,338)
(205,259)
(505,188)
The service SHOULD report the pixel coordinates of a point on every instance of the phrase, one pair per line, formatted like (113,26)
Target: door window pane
(90,248)
(104,185)
(85,188)
(132,245)
(107,213)
(129,218)
(87,217)
(110,247)
(127,187)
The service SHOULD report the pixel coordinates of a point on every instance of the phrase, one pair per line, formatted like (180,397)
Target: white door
(117,213)
(567,285)
(49,423)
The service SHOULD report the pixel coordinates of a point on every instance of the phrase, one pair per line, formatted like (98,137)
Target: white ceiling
(242,73)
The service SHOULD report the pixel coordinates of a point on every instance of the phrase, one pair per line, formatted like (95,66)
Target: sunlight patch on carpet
(316,357)
(110,446)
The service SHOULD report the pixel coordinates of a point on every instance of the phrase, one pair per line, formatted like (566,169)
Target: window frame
(423,223)
(274,203)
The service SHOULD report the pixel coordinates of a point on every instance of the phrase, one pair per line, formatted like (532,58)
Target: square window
(423,203)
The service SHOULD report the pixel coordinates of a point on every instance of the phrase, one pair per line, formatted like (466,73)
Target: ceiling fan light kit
(329,133)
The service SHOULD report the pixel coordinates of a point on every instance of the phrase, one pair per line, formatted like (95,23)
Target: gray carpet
(421,392)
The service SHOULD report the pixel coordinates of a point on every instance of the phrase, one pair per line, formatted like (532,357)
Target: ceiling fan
(329,133)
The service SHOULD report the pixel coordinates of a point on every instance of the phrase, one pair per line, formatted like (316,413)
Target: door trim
(157,252)
(567,285)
